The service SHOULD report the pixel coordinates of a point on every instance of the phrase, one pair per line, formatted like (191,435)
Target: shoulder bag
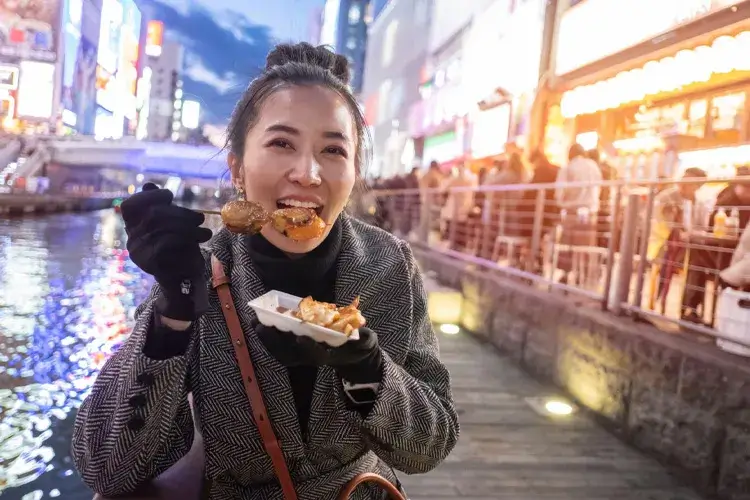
(221,283)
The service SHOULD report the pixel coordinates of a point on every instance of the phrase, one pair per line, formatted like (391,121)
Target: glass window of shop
(641,135)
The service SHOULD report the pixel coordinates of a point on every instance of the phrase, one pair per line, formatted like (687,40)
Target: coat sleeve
(136,422)
(413,425)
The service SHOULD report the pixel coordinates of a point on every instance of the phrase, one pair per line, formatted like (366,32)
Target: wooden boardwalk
(509,451)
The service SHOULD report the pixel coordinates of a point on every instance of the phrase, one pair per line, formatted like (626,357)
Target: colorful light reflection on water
(67,297)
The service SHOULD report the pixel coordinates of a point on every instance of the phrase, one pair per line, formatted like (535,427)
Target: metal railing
(648,250)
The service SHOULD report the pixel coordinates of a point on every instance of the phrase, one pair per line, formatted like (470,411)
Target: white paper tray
(267,308)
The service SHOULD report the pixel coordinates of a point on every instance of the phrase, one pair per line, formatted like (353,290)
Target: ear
(235,168)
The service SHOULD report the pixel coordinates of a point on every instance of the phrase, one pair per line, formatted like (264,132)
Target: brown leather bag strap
(369,477)
(221,283)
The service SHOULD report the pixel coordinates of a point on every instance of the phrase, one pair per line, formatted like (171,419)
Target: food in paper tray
(345,319)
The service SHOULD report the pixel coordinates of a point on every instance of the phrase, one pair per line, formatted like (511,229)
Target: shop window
(355,13)
(697,118)
(727,111)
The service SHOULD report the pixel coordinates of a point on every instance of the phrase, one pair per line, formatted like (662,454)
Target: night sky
(226,42)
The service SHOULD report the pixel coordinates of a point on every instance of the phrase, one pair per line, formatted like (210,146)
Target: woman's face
(301,152)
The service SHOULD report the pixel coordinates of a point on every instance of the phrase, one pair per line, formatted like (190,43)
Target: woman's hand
(163,240)
(357,361)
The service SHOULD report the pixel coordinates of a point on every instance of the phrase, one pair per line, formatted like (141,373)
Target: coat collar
(246,285)
(231,249)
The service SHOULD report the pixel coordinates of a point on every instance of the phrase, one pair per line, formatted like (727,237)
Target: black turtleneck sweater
(312,274)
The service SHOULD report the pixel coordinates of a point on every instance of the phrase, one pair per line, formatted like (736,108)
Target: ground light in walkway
(449,329)
(556,407)
(551,406)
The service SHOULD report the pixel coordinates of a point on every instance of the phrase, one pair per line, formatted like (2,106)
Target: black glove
(163,241)
(357,361)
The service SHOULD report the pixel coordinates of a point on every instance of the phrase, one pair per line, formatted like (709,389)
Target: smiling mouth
(292,203)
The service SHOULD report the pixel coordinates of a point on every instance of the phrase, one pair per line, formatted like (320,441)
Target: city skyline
(226,43)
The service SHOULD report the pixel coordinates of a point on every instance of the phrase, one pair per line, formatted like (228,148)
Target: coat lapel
(349,284)
(273,378)
(357,275)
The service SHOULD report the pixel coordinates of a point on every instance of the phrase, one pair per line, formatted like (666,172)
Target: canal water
(67,296)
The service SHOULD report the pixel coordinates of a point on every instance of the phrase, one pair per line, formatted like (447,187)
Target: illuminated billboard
(28,30)
(109,35)
(329,32)
(36,89)
(8,77)
(154,38)
(106,89)
(72,16)
(596,29)
(191,112)
(127,72)
(83,89)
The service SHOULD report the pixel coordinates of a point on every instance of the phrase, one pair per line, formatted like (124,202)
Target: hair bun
(304,53)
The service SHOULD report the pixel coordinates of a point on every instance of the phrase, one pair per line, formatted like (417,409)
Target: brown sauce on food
(282,310)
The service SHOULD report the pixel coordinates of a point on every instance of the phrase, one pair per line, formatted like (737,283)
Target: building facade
(437,122)
(659,96)
(164,68)
(344,28)
(501,70)
(396,55)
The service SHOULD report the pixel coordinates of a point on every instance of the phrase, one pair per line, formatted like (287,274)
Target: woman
(296,138)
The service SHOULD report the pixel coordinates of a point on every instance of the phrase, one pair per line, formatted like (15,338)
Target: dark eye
(280,143)
(335,150)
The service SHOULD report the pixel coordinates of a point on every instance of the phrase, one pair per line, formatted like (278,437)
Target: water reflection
(67,296)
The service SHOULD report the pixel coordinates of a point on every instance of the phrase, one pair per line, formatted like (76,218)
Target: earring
(240,194)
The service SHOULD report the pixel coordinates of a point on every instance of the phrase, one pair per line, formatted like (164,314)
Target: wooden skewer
(218,212)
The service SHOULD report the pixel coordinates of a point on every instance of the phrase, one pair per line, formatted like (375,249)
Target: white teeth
(297,203)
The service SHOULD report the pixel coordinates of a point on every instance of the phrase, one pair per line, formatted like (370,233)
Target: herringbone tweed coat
(412,426)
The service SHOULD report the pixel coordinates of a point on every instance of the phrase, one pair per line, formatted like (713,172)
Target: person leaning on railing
(579,206)
(737,275)
(666,243)
(669,212)
(705,262)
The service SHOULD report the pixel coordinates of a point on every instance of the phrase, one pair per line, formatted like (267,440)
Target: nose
(306,172)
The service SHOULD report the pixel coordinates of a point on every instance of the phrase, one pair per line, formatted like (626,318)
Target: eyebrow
(293,131)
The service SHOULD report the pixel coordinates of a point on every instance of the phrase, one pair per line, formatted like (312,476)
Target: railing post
(425,216)
(627,245)
(536,233)
(643,251)
(611,253)
(453,229)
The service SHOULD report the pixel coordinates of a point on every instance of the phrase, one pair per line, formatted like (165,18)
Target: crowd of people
(473,221)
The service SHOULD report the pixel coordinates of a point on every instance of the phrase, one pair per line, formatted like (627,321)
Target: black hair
(695,173)
(297,65)
(575,151)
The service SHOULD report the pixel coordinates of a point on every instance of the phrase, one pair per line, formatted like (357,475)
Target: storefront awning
(725,55)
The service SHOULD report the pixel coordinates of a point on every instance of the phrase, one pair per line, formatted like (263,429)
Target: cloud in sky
(198,72)
(226,42)
(287,19)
